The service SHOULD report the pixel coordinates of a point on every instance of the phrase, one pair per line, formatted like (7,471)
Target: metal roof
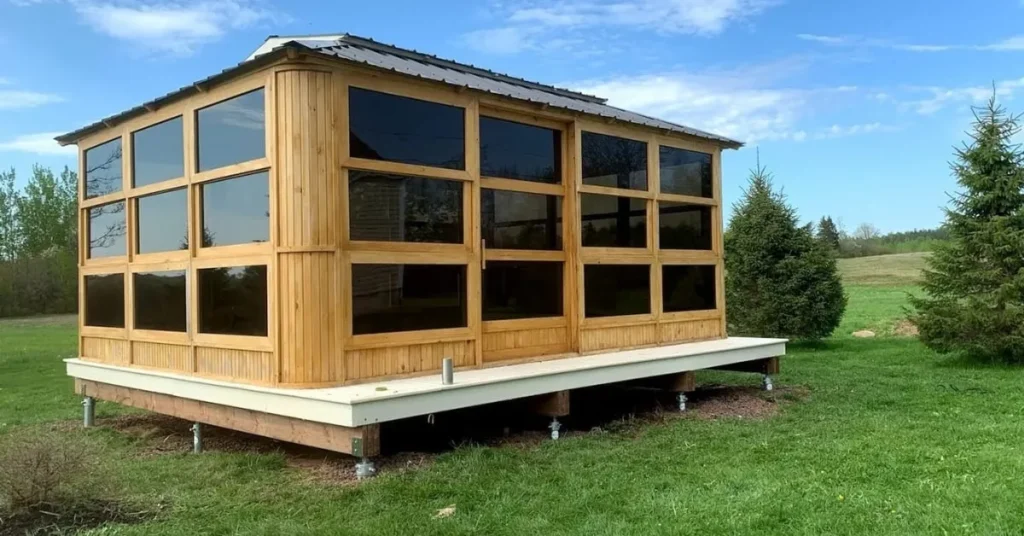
(368,52)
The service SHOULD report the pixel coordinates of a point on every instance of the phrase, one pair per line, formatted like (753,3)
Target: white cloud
(12,99)
(531,26)
(501,40)
(40,144)
(724,103)
(942,97)
(168,26)
(841,131)
(1015,43)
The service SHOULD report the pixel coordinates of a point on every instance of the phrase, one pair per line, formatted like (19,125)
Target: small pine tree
(780,281)
(828,233)
(974,283)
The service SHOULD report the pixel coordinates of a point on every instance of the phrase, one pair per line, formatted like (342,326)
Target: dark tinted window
(514,289)
(688,288)
(236,211)
(233,301)
(614,162)
(107,231)
(158,153)
(401,208)
(512,150)
(517,220)
(103,169)
(402,129)
(616,289)
(160,300)
(407,297)
(163,222)
(685,172)
(610,221)
(684,226)
(104,300)
(232,131)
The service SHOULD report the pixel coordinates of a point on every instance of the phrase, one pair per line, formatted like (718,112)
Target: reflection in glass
(406,130)
(236,211)
(160,300)
(233,301)
(512,150)
(614,162)
(107,231)
(518,220)
(402,208)
(158,153)
(616,290)
(683,226)
(103,169)
(688,288)
(407,297)
(231,132)
(521,289)
(104,300)
(610,221)
(685,172)
(163,222)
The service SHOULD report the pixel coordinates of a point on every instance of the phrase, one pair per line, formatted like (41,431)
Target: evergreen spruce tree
(974,283)
(780,281)
(828,234)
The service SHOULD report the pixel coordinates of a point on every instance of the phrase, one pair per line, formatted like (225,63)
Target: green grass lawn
(889,439)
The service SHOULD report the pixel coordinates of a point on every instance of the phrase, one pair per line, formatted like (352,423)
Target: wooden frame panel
(307,139)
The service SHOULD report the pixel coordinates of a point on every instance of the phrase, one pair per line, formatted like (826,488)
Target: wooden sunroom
(294,246)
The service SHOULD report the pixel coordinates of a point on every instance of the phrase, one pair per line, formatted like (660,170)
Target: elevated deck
(356,409)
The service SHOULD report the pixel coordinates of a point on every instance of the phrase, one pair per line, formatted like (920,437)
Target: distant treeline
(38,244)
(863,244)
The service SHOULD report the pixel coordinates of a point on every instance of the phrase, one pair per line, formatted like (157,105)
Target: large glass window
(685,172)
(616,289)
(519,220)
(104,300)
(107,231)
(407,297)
(103,169)
(683,226)
(406,130)
(236,210)
(233,301)
(521,289)
(610,221)
(688,288)
(614,162)
(160,300)
(163,222)
(158,153)
(403,208)
(231,132)
(511,150)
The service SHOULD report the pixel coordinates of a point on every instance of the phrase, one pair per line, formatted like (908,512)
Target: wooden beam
(768,365)
(360,441)
(551,405)
(683,382)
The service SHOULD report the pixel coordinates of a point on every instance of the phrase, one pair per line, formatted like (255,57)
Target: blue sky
(855,106)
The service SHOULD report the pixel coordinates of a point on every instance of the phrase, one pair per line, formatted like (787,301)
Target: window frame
(156,186)
(194,258)
(384,252)
(560,191)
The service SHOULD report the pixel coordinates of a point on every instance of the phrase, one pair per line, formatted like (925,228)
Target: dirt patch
(905,328)
(48,520)
(415,443)
(712,402)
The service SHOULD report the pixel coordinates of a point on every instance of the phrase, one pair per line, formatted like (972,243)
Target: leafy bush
(49,468)
(780,280)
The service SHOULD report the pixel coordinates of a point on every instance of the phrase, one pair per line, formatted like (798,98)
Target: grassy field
(873,435)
